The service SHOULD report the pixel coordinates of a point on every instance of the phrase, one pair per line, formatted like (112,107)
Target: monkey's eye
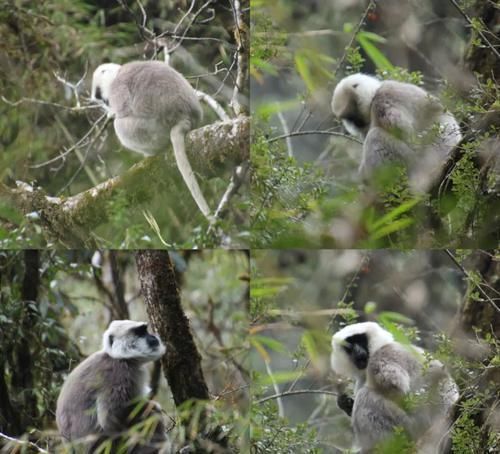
(355,86)
(111,339)
(140,331)
(348,347)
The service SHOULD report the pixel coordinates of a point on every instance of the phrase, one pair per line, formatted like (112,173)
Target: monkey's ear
(111,339)
(140,331)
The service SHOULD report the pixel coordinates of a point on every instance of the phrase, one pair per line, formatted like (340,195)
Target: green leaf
(389,217)
(377,57)
(278,377)
(302,66)
(395,226)
(271,343)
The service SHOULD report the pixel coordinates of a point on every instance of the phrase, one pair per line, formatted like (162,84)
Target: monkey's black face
(142,331)
(98,95)
(356,348)
(356,120)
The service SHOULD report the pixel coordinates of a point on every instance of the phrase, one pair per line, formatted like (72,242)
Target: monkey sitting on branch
(106,394)
(147,100)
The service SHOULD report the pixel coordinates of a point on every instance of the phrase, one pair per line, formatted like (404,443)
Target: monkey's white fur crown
(362,86)
(102,78)
(127,345)
(377,338)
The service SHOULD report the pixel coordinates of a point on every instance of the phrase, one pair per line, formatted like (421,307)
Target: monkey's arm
(404,110)
(382,148)
(178,144)
(389,377)
(345,403)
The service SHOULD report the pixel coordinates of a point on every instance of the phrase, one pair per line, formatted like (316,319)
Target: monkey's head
(353,345)
(351,102)
(126,339)
(102,79)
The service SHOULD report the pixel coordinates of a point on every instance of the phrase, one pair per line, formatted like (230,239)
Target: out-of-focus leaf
(378,58)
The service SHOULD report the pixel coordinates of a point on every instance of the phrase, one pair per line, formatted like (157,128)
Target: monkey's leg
(177,137)
(382,148)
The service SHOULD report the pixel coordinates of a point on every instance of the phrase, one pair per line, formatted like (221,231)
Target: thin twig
(293,393)
(188,27)
(278,395)
(241,37)
(353,37)
(471,23)
(23,442)
(304,133)
(239,176)
(288,141)
(76,145)
(470,279)
(214,105)
(47,103)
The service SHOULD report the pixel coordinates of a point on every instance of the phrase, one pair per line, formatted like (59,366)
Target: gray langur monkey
(395,387)
(398,123)
(99,399)
(147,100)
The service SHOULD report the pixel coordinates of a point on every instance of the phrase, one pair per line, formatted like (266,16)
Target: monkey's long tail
(177,137)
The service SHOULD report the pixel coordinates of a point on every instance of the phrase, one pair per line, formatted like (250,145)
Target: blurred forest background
(445,301)
(306,190)
(55,306)
(52,142)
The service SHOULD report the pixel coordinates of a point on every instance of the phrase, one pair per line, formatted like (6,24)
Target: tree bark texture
(181,362)
(22,376)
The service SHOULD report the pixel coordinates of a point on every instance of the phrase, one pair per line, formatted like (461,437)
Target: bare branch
(471,23)
(304,133)
(239,176)
(23,443)
(216,107)
(470,279)
(242,40)
(294,393)
(354,34)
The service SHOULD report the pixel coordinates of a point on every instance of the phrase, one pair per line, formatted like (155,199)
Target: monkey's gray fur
(97,398)
(398,122)
(147,100)
(387,373)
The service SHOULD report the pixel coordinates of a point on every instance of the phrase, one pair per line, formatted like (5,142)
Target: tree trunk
(181,362)
(22,374)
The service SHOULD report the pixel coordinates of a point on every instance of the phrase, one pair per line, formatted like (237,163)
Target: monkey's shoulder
(407,356)
(395,369)
(100,369)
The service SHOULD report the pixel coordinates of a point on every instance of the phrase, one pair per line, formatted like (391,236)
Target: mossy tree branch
(69,220)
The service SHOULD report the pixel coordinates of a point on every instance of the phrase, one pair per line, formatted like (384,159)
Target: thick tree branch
(69,220)
(182,361)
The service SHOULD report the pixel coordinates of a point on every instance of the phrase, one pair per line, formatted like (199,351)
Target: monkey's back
(404,108)
(98,376)
(148,99)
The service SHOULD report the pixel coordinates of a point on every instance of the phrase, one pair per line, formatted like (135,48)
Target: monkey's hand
(345,403)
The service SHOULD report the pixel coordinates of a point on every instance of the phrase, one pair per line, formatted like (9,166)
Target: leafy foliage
(306,192)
